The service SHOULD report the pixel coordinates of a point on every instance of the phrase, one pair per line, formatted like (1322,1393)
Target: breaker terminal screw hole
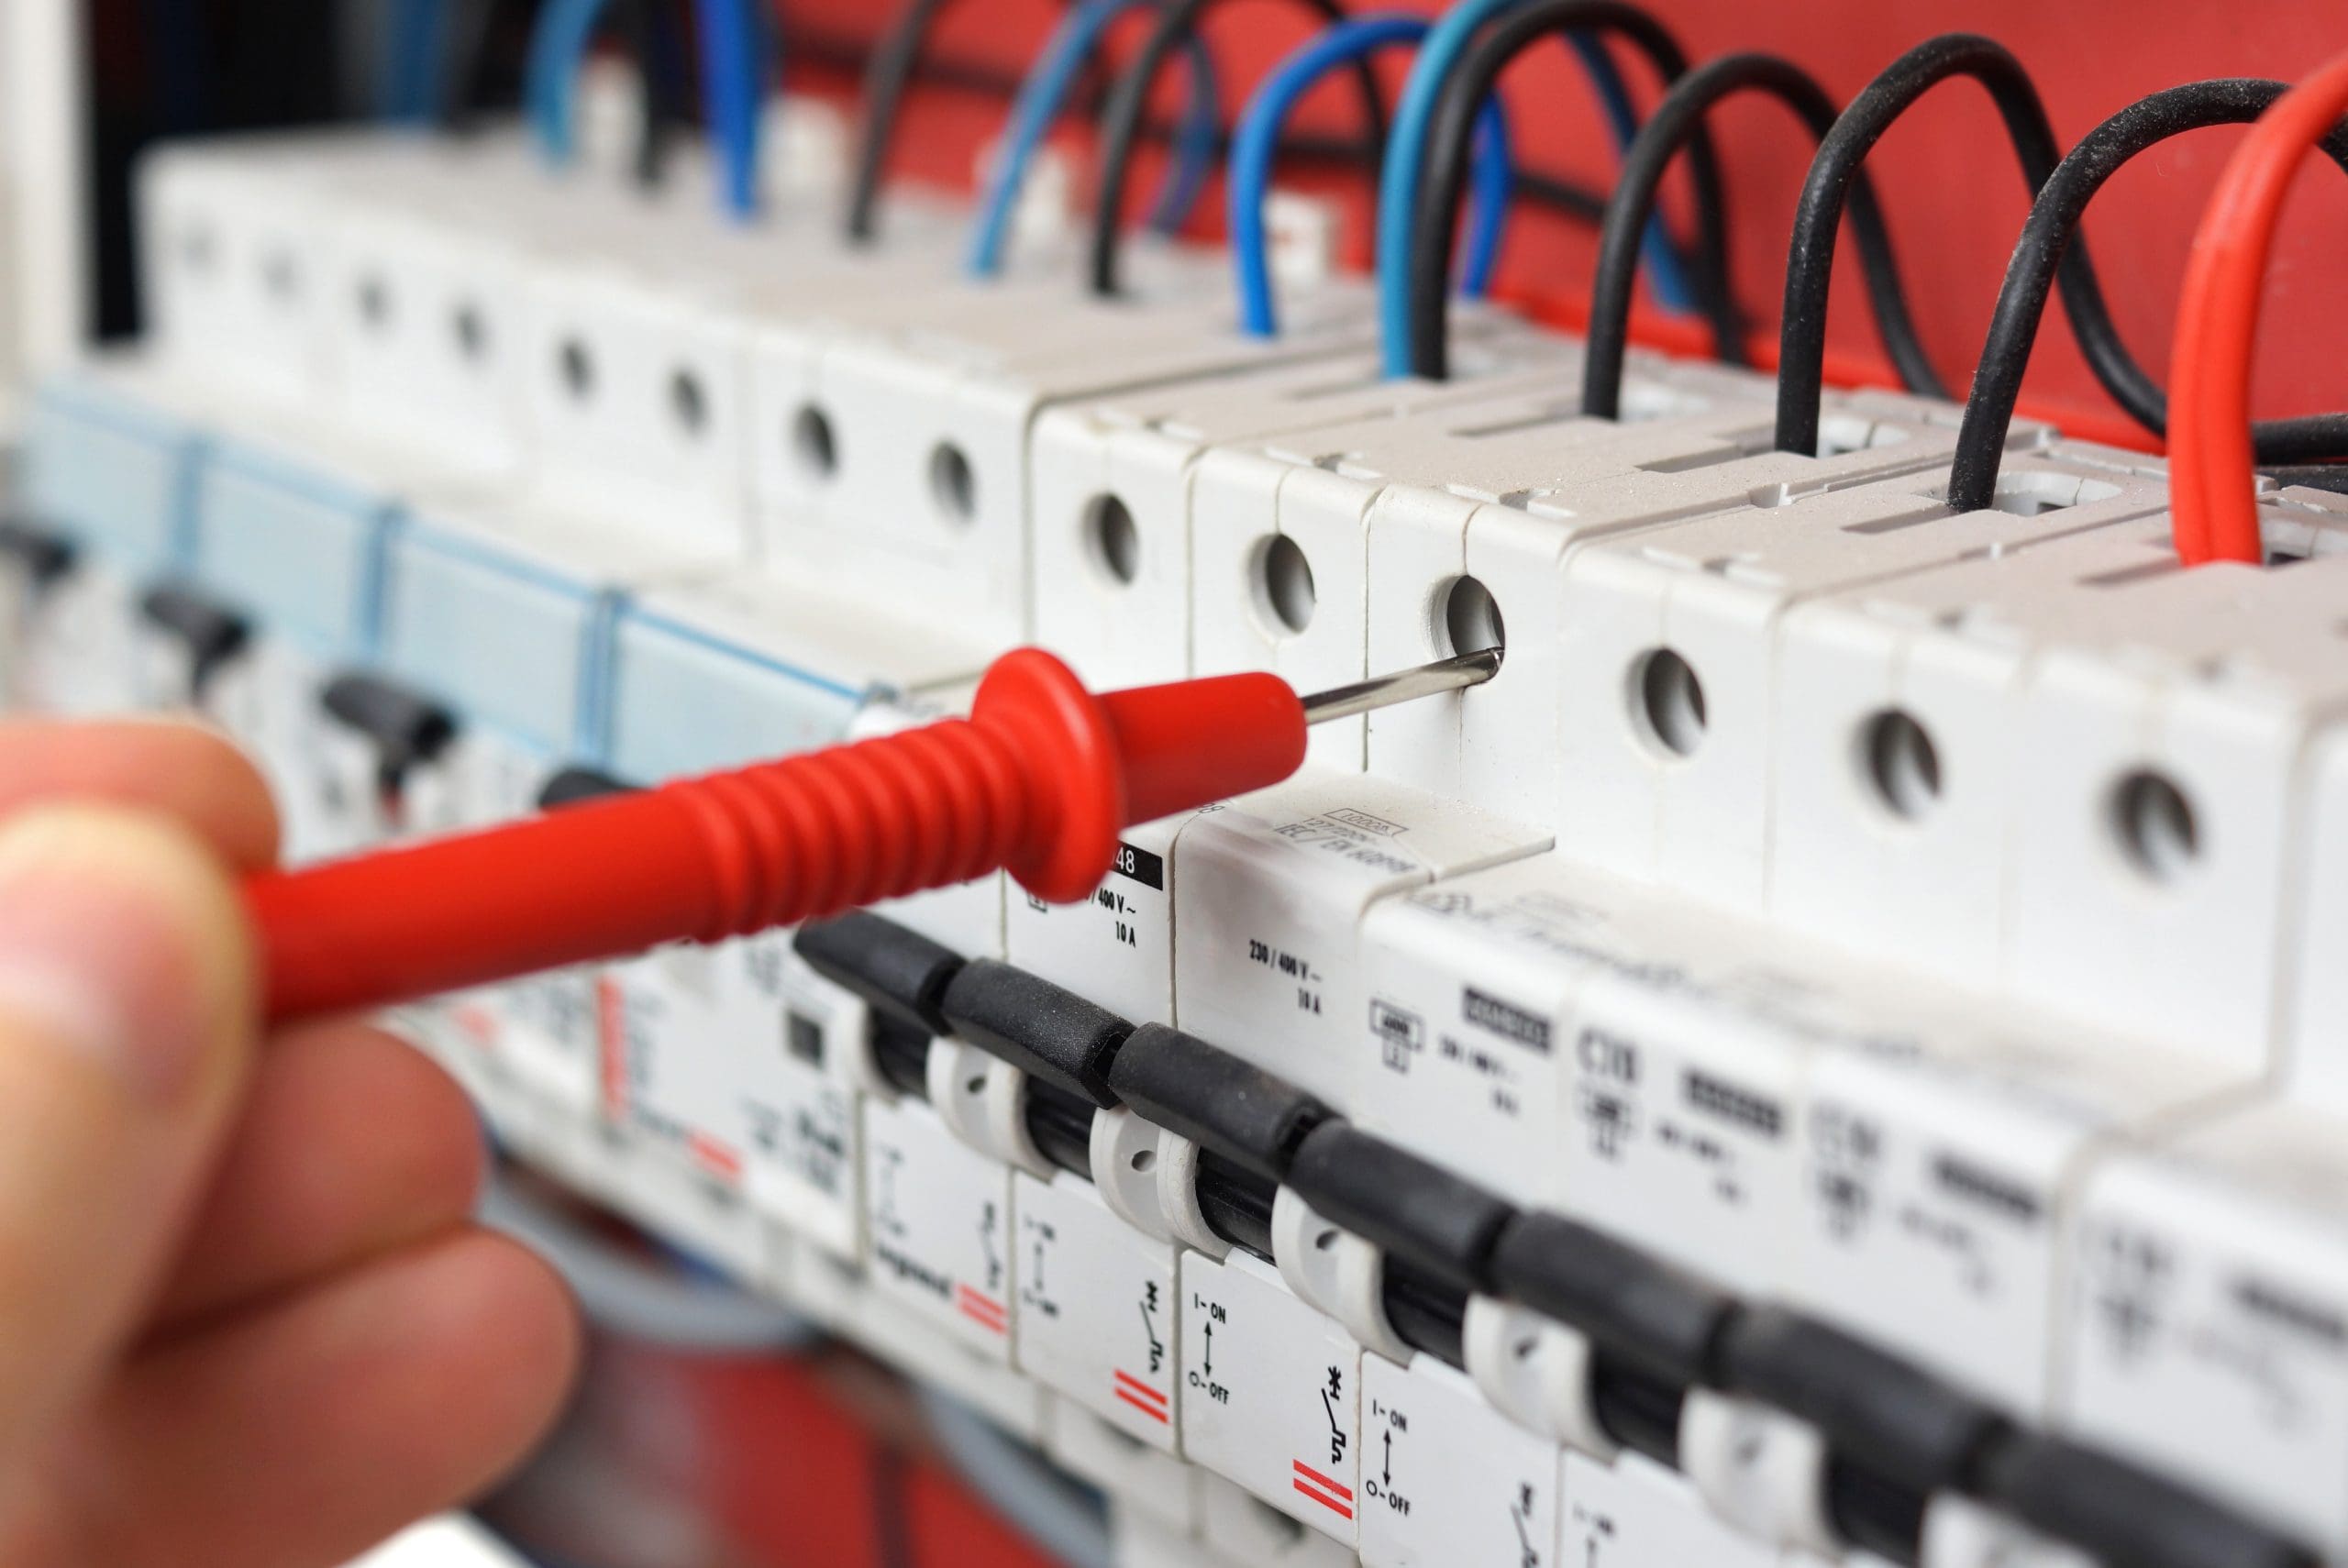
(1285,594)
(974,1085)
(471,333)
(578,369)
(375,303)
(1902,764)
(198,250)
(1112,540)
(1146,1161)
(1326,1241)
(689,403)
(281,278)
(952,486)
(1471,620)
(2155,826)
(1668,702)
(814,443)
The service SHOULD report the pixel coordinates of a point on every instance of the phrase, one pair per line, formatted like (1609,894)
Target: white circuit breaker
(1919,922)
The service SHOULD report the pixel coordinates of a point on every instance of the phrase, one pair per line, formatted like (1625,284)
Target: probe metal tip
(1456,673)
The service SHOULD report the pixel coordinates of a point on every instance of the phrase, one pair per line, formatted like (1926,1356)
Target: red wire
(2211,480)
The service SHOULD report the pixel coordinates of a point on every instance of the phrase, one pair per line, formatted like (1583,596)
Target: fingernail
(101,946)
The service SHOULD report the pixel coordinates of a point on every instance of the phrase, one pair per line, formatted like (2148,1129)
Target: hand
(244,1319)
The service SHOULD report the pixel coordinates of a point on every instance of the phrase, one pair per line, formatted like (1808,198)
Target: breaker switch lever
(1040,780)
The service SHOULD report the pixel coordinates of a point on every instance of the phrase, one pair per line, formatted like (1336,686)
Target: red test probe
(1039,781)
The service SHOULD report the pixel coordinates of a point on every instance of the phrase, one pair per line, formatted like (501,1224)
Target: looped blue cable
(734,59)
(1041,95)
(411,85)
(1257,140)
(735,56)
(558,44)
(1405,169)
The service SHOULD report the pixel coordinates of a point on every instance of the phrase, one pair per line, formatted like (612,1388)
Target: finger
(125,1010)
(177,769)
(307,1430)
(350,1144)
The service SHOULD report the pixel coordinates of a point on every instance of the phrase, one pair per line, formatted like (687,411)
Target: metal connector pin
(1457,673)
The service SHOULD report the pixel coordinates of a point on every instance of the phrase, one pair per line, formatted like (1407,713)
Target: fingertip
(169,765)
(522,1334)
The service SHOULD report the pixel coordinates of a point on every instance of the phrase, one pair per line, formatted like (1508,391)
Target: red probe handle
(1039,781)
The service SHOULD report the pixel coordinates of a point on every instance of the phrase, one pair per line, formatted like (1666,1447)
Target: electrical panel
(1854,996)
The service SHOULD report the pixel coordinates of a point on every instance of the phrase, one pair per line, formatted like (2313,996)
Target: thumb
(127,1019)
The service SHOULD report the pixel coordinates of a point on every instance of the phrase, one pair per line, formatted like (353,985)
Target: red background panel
(1956,198)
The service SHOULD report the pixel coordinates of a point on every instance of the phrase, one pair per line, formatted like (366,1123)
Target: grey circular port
(1471,618)
(198,249)
(1285,594)
(2155,826)
(814,444)
(470,331)
(281,278)
(688,404)
(1903,766)
(953,488)
(1668,701)
(577,367)
(375,302)
(1113,539)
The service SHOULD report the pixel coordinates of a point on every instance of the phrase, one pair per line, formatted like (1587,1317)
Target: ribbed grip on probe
(811,835)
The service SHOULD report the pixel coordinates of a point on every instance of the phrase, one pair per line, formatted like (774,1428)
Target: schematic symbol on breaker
(1152,1342)
(1400,1035)
(2129,1274)
(1519,1514)
(1847,1149)
(1332,1396)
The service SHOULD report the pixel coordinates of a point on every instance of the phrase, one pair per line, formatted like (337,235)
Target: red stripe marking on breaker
(477,1024)
(1319,1487)
(715,1157)
(1142,1397)
(611,1045)
(983,1311)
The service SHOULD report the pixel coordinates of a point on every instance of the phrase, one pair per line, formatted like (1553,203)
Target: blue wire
(559,46)
(413,61)
(1046,88)
(1406,156)
(734,60)
(1257,140)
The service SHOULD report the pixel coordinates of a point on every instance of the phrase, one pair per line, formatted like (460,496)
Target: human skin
(244,1319)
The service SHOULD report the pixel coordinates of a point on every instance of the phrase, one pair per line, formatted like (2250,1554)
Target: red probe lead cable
(2211,482)
(1040,780)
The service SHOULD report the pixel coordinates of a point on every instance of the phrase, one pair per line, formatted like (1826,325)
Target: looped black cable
(1674,121)
(1451,144)
(1121,124)
(1810,262)
(2054,219)
(895,60)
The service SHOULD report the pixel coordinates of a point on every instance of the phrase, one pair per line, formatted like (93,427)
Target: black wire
(896,56)
(1451,149)
(1571,201)
(650,27)
(1675,119)
(1121,124)
(2055,220)
(2332,477)
(1810,262)
(464,65)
